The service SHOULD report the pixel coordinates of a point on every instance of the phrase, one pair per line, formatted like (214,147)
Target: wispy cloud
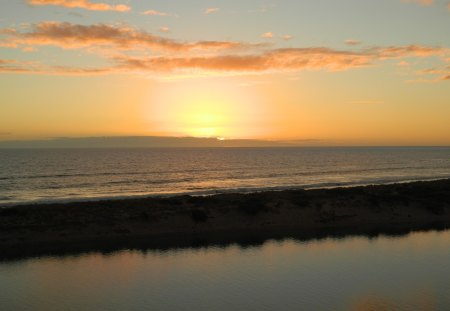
(164,29)
(267,35)
(24,67)
(211,10)
(82,4)
(409,50)
(291,59)
(274,60)
(366,102)
(443,73)
(127,49)
(154,13)
(352,42)
(263,8)
(421,2)
(287,37)
(70,36)
(278,59)
(14,66)
(425,2)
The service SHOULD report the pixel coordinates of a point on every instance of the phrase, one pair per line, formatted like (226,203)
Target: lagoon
(408,272)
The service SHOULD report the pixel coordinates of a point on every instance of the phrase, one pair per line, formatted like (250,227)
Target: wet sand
(187,221)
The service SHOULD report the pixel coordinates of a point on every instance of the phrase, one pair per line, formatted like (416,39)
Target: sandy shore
(221,219)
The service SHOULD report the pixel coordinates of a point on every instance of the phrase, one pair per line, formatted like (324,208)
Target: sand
(247,219)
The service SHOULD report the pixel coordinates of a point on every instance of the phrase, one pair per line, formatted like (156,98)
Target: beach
(185,221)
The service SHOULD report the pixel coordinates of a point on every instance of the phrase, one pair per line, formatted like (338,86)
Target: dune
(40,229)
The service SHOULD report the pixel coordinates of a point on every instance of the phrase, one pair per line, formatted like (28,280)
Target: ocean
(53,175)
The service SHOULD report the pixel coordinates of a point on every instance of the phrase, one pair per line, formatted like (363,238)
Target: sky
(349,72)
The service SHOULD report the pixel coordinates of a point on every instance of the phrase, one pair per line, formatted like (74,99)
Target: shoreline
(183,221)
(213,192)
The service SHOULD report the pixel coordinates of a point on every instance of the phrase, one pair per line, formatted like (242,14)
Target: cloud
(73,71)
(7,65)
(273,60)
(132,50)
(443,73)
(116,38)
(13,66)
(154,13)
(24,67)
(287,37)
(421,2)
(425,2)
(366,102)
(211,10)
(409,51)
(82,4)
(276,60)
(352,42)
(164,29)
(267,35)
(288,59)
(73,36)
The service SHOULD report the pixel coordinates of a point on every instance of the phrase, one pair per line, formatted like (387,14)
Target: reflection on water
(353,273)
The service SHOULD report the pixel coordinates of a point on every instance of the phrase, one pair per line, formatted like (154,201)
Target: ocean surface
(403,273)
(29,175)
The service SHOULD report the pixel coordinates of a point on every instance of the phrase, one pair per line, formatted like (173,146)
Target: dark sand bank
(247,219)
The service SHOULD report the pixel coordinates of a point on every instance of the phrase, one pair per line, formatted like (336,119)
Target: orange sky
(284,71)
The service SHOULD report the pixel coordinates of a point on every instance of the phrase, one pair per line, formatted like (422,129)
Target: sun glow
(203,116)
(207,109)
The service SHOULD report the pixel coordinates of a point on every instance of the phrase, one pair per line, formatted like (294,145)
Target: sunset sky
(349,72)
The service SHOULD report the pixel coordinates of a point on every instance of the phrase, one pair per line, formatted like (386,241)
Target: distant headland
(150,142)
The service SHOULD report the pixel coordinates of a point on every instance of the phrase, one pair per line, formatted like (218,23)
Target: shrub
(252,206)
(199,215)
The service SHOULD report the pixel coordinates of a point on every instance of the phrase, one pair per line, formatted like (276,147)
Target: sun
(203,116)
(207,109)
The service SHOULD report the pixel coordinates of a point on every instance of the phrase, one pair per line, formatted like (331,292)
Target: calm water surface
(355,273)
(73,174)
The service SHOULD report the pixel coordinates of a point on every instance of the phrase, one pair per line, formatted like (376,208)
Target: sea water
(30,175)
